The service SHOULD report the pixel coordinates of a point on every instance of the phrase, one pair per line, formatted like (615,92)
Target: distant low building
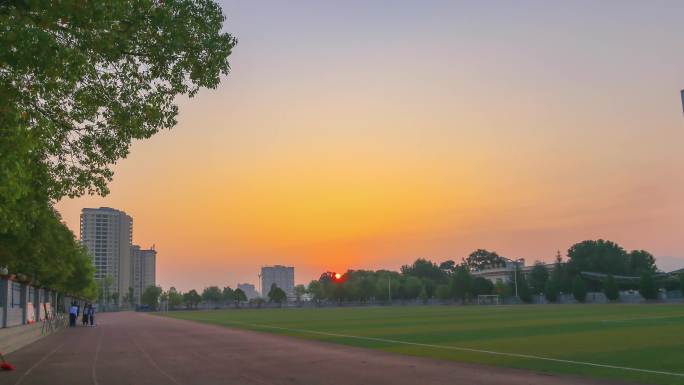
(282,276)
(249,289)
(503,272)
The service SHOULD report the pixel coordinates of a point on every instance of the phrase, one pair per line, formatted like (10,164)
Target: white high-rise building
(282,276)
(108,235)
(143,270)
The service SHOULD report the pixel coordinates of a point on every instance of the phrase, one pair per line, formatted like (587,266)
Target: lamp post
(515,273)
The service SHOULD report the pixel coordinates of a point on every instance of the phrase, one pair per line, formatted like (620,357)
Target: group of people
(88,316)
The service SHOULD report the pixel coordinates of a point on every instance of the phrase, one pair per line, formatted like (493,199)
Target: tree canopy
(150,296)
(212,294)
(88,78)
(482,258)
(79,81)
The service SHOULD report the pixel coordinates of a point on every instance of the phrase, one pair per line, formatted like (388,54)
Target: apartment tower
(108,235)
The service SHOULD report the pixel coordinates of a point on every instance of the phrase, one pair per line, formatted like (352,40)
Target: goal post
(488,299)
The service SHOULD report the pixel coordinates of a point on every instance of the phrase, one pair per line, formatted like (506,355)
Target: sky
(366,134)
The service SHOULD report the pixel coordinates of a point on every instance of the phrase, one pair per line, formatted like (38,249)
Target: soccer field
(643,343)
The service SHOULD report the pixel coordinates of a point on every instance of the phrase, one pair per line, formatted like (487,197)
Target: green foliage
(482,258)
(239,296)
(47,251)
(192,298)
(681,283)
(461,284)
(175,298)
(411,286)
(424,269)
(94,77)
(150,297)
(299,291)
(598,256)
(551,290)
(579,289)
(641,261)
(610,288)
(78,83)
(212,294)
(562,274)
(647,286)
(502,289)
(277,295)
(482,286)
(443,292)
(447,267)
(315,288)
(538,277)
(227,295)
(386,285)
(524,292)
(423,296)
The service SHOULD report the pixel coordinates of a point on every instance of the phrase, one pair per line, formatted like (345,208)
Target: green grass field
(641,337)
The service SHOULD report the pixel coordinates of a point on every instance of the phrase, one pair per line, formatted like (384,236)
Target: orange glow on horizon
(331,156)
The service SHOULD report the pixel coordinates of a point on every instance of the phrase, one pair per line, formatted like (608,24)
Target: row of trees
(213,295)
(455,281)
(448,280)
(92,80)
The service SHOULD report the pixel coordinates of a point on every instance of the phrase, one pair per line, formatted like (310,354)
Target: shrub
(579,289)
(610,288)
(524,291)
(551,290)
(443,293)
(647,286)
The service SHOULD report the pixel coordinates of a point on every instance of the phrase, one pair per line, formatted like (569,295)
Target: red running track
(139,349)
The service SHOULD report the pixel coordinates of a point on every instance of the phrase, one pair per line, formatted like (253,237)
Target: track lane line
(45,357)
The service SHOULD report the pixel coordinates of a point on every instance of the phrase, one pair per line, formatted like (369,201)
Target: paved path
(139,349)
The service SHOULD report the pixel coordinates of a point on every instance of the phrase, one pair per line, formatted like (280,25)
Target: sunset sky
(365,134)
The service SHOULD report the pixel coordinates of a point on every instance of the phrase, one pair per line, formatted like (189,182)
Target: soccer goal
(493,299)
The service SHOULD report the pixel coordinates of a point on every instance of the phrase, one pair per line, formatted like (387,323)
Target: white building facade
(143,270)
(282,276)
(108,235)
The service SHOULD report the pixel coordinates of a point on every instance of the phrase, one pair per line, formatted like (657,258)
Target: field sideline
(642,343)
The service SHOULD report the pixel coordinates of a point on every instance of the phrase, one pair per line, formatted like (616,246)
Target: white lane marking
(153,363)
(26,373)
(458,348)
(642,318)
(97,353)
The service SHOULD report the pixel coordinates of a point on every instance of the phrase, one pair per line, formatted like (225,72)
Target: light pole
(389,288)
(515,277)
(515,274)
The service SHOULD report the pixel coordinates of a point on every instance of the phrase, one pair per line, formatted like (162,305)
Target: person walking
(91,315)
(73,313)
(84,318)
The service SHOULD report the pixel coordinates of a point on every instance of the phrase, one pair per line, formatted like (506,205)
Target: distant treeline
(452,281)
(449,280)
